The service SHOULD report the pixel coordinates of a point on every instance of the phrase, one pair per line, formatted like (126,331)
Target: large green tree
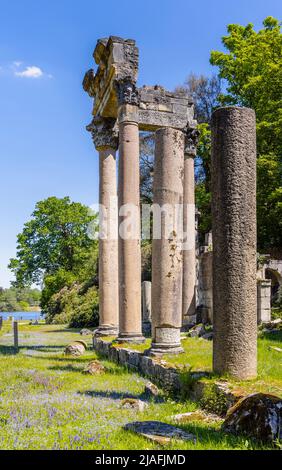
(252,70)
(56,238)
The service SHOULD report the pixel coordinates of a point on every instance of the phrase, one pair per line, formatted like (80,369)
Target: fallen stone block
(257,416)
(77,348)
(85,331)
(133,403)
(151,390)
(94,368)
(159,432)
(198,415)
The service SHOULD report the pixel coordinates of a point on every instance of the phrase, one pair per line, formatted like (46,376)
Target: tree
(252,69)
(205,92)
(54,239)
(147,148)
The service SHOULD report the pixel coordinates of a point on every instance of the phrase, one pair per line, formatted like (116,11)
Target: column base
(105,330)
(130,338)
(158,349)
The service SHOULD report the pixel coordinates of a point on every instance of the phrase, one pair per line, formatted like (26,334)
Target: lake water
(22,315)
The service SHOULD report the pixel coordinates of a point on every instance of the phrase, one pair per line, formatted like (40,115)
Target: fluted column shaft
(167,249)
(104,135)
(130,326)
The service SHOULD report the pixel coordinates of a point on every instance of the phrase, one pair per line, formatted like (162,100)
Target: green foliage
(269,201)
(214,400)
(55,247)
(55,237)
(17,300)
(252,69)
(67,301)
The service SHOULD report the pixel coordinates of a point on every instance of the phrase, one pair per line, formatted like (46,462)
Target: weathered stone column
(167,249)
(264,300)
(130,324)
(189,237)
(146,307)
(106,140)
(234,242)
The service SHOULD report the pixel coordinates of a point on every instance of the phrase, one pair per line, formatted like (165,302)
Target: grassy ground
(198,356)
(46,402)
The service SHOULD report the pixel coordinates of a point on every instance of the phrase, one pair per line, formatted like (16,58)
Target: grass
(198,356)
(46,402)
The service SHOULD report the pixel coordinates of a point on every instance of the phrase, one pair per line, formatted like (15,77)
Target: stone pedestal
(234,242)
(264,300)
(130,329)
(189,236)
(167,250)
(105,140)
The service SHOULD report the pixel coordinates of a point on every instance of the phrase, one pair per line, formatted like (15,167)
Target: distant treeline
(17,300)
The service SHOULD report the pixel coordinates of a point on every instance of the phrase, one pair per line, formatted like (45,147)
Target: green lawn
(198,356)
(46,402)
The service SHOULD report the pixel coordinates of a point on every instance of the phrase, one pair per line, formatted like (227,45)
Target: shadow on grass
(42,348)
(60,358)
(276,335)
(121,395)
(109,394)
(64,330)
(8,350)
(211,438)
(67,368)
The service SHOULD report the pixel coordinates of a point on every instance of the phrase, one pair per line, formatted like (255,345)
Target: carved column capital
(191,141)
(104,133)
(127,92)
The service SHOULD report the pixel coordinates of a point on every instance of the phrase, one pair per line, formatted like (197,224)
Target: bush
(76,305)
(86,313)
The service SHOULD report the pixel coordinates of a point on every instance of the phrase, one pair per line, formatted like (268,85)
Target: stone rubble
(159,432)
(258,416)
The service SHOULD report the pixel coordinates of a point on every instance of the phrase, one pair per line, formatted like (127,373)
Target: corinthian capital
(191,141)
(127,92)
(104,133)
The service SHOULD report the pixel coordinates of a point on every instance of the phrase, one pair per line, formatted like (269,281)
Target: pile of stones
(201,331)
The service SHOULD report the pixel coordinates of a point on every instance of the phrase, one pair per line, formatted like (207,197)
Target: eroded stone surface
(94,368)
(234,242)
(151,390)
(198,415)
(133,403)
(85,332)
(77,348)
(157,431)
(258,415)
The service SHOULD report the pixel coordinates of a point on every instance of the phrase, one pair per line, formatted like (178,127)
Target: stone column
(146,307)
(234,242)
(189,255)
(106,140)
(167,242)
(130,324)
(264,300)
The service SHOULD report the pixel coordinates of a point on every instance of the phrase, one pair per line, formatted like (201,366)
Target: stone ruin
(120,110)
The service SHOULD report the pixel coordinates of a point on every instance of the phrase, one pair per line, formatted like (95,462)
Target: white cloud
(30,72)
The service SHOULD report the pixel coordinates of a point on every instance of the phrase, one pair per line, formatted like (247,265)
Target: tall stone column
(130,322)
(106,140)
(167,248)
(234,242)
(189,237)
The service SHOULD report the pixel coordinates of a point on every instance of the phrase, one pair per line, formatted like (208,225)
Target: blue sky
(45,48)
